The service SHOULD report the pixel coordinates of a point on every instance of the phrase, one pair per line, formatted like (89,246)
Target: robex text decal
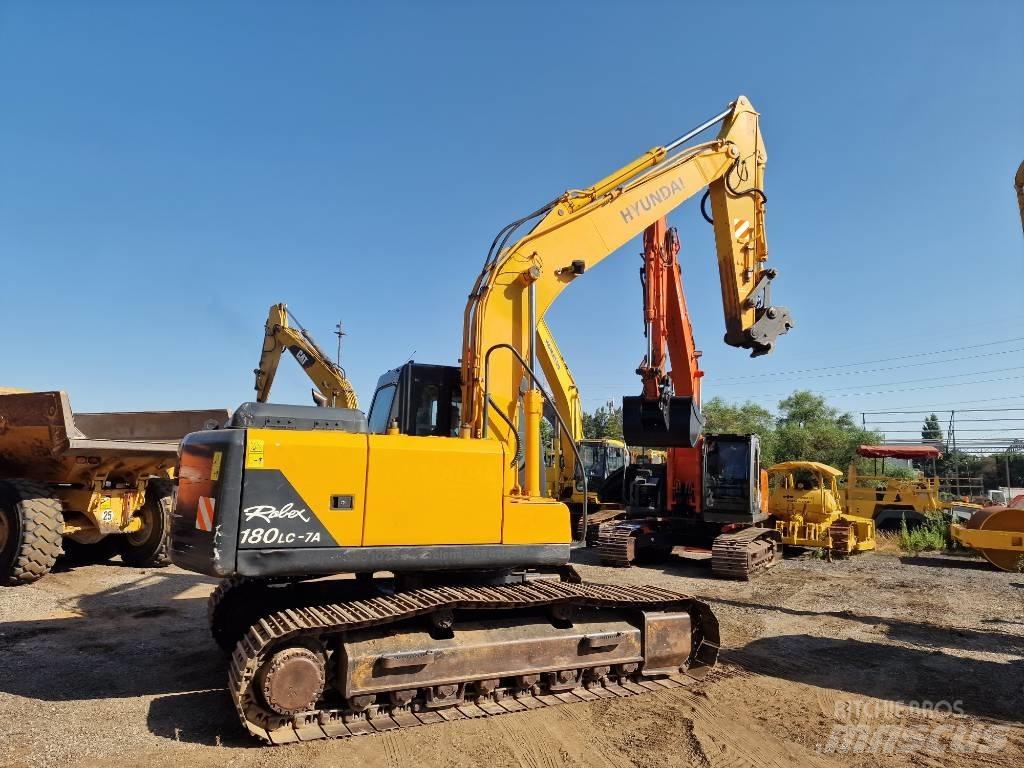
(268,513)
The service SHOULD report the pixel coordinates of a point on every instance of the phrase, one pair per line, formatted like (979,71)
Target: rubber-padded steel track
(310,624)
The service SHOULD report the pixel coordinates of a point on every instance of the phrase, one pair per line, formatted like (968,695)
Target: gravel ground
(853,663)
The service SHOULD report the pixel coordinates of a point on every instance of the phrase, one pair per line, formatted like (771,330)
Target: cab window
(616,459)
(380,409)
(426,409)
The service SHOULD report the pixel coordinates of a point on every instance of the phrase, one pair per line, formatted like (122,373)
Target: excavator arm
(667,413)
(283,332)
(581,228)
(566,400)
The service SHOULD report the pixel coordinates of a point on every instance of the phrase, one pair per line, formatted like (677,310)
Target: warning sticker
(215,466)
(205,513)
(254,454)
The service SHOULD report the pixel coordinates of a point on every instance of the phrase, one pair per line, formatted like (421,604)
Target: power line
(918,420)
(891,391)
(958,410)
(933,406)
(725,383)
(861,384)
(873,362)
(928,378)
(958,429)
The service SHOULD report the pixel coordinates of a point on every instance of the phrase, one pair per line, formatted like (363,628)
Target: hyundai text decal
(658,196)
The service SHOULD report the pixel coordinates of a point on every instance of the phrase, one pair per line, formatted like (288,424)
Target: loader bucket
(650,423)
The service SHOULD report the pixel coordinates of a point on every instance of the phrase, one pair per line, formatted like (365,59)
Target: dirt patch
(824,664)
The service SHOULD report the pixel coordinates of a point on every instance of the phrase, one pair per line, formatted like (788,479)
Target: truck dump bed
(40,436)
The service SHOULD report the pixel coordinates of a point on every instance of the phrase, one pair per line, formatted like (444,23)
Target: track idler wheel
(292,680)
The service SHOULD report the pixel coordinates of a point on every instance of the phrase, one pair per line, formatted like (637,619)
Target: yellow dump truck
(93,484)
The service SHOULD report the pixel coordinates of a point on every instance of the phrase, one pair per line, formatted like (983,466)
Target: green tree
(606,421)
(931,430)
(808,428)
(743,419)
(547,435)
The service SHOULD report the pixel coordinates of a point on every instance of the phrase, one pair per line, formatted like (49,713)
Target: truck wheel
(148,546)
(31,525)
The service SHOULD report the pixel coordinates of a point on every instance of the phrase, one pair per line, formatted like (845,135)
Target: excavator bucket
(652,423)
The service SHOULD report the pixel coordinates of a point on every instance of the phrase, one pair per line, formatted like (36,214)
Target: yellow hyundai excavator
(283,331)
(441,485)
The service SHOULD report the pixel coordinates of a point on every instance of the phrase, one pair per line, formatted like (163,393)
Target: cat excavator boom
(284,332)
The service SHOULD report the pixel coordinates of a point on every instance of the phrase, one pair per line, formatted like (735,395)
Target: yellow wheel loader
(93,485)
(805,504)
(442,487)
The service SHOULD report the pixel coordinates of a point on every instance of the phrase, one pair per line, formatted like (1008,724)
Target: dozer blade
(652,423)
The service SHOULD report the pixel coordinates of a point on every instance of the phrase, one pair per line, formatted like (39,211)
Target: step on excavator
(441,486)
(710,492)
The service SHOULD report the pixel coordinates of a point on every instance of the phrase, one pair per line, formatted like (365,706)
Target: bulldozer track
(308,624)
(744,554)
(841,533)
(596,521)
(616,545)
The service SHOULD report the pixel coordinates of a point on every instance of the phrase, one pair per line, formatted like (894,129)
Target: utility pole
(339,332)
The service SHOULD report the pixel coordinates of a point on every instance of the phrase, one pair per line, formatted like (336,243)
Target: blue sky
(167,171)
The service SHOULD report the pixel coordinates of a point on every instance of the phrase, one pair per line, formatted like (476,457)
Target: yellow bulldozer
(805,504)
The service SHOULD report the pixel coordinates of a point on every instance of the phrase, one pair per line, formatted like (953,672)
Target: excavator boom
(283,331)
(578,230)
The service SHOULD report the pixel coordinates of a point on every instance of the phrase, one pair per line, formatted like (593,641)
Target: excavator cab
(420,399)
(602,458)
(732,479)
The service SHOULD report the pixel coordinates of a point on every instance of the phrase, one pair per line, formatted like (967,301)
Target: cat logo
(305,360)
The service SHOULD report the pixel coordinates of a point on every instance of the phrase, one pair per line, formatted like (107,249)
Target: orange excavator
(711,491)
